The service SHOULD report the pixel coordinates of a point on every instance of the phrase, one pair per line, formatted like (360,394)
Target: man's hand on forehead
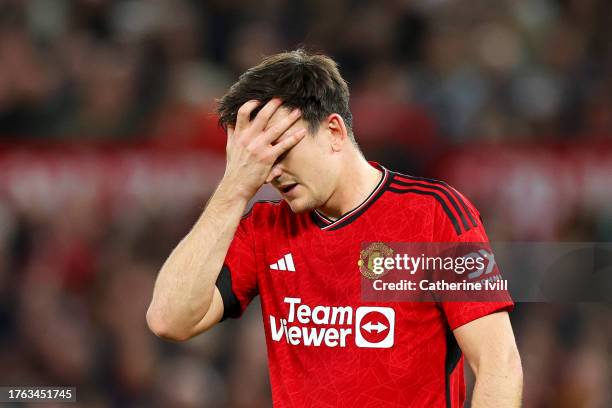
(282,113)
(254,145)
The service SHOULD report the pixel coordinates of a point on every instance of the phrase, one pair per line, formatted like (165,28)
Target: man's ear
(338,134)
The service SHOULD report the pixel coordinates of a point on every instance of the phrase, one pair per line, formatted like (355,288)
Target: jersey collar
(327,224)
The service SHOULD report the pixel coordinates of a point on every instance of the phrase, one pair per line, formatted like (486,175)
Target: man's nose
(275,172)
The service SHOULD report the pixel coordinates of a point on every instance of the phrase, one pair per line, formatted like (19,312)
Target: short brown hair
(310,82)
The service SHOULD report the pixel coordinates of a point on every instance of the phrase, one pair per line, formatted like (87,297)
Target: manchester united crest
(367,256)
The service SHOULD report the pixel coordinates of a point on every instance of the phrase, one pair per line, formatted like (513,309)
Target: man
(288,123)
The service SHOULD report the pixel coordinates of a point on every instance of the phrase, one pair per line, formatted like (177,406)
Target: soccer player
(288,123)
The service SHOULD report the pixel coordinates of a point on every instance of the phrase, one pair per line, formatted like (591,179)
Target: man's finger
(279,128)
(264,115)
(286,144)
(243,118)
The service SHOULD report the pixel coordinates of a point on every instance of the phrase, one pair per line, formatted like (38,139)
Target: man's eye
(281,157)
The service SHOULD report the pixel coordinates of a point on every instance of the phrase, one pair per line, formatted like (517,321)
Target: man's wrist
(232,193)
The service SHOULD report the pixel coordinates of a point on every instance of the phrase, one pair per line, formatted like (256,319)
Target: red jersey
(327,347)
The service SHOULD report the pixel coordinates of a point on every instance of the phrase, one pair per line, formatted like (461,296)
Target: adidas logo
(284,264)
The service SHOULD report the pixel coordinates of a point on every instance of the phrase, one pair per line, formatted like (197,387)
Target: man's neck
(362,178)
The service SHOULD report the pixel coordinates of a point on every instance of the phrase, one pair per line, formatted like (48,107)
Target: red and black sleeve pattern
(456,220)
(461,215)
(237,281)
(460,313)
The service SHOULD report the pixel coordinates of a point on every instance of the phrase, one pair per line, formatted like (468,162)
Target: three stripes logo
(451,201)
(284,264)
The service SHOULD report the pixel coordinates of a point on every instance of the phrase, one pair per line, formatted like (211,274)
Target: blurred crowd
(455,69)
(426,76)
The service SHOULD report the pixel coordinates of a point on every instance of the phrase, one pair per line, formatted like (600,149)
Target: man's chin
(299,206)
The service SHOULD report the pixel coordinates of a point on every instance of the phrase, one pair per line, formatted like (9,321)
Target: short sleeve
(465,226)
(237,281)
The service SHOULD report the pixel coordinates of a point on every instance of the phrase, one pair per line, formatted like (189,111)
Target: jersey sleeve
(465,226)
(237,281)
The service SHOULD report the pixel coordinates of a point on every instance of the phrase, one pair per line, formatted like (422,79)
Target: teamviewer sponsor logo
(375,327)
(334,326)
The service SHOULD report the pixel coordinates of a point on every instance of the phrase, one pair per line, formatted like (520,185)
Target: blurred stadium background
(109,150)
